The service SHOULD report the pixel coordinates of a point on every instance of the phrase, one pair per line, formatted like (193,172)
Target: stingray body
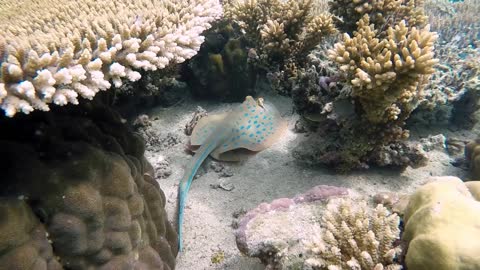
(232,136)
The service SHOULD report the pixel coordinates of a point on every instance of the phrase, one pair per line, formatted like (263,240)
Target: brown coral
(354,236)
(280,31)
(90,188)
(382,12)
(387,74)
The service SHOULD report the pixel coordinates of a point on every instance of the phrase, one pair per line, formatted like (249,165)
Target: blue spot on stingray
(249,126)
(271,128)
(264,129)
(249,121)
(256,116)
(225,145)
(251,135)
(238,137)
(258,141)
(258,132)
(252,110)
(262,137)
(244,133)
(258,126)
(246,114)
(264,117)
(242,127)
(255,121)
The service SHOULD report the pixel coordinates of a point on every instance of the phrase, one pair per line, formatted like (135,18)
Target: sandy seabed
(272,173)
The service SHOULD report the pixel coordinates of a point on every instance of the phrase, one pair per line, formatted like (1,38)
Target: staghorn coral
(353,236)
(280,31)
(55,51)
(382,12)
(387,75)
(84,192)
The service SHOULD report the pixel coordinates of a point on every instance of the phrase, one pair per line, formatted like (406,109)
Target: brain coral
(80,196)
(53,51)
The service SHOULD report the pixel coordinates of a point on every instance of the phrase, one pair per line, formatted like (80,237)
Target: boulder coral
(57,51)
(80,196)
(442,226)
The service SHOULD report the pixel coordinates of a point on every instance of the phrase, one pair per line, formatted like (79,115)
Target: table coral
(57,51)
(442,226)
(81,191)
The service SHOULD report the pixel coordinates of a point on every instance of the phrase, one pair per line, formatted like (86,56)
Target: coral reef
(280,33)
(450,97)
(381,13)
(442,226)
(80,196)
(358,95)
(354,236)
(324,228)
(55,51)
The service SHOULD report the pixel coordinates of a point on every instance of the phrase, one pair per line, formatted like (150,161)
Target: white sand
(271,174)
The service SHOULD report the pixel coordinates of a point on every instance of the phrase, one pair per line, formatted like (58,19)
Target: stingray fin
(239,154)
(205,127)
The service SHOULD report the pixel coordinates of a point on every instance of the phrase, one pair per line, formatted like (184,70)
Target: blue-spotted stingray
(251,127)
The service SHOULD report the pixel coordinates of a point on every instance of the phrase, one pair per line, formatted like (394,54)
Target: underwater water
(240,135)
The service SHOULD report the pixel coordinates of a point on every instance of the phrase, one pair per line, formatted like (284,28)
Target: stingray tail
(186,181)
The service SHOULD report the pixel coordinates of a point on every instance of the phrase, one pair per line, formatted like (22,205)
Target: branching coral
(387,75)
(280,31)
(53,51)
(382,12)
(354,236)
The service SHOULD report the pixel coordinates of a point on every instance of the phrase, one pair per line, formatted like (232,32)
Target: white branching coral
(54,51)
(354,236)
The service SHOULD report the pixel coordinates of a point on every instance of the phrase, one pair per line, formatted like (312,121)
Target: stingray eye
(260,102)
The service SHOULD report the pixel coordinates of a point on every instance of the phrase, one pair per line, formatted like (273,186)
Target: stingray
(232,136)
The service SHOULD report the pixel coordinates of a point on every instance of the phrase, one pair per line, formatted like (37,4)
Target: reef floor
(223,190)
